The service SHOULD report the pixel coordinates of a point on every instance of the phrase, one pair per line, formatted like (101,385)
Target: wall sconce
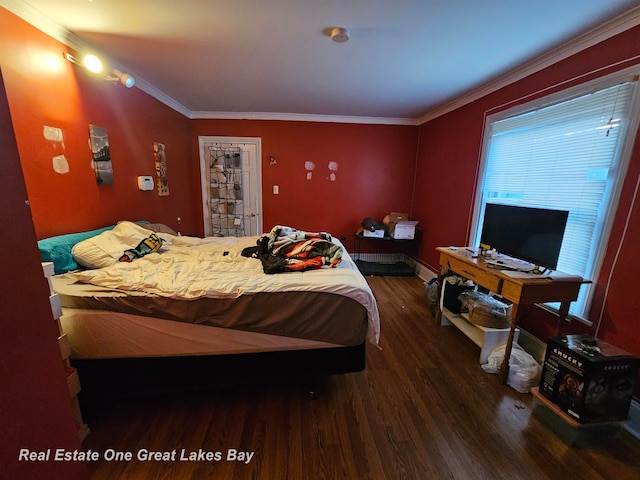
(94,65)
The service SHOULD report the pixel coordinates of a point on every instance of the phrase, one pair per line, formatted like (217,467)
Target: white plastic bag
(524,371)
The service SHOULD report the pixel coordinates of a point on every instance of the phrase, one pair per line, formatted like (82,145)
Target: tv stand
(519,288)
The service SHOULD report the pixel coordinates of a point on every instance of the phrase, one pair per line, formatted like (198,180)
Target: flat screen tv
(531,234)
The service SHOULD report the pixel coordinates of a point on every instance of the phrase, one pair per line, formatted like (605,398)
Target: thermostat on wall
(145,183)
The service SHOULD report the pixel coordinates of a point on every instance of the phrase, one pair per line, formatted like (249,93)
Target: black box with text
(589,379)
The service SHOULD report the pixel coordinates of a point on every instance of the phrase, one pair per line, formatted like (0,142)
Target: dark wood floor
(423,409)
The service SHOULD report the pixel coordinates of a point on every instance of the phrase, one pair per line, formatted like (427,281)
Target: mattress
(318,316)
(200,296)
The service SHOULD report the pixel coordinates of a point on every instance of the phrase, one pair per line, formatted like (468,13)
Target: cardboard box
(400,227)
(590,380)
(394,218)
(405,230)
(374,234)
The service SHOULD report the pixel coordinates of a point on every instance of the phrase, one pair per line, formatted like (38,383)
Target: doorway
(230,172)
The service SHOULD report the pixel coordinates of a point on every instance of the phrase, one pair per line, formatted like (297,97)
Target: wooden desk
(517,287)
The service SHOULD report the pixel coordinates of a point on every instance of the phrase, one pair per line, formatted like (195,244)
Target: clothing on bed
(286,249)
(151,244)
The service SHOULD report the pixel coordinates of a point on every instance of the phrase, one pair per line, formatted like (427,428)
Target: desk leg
(441,272)
(563,313)
(503,373)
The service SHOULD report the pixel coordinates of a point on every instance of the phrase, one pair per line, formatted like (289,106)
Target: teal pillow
(58,249)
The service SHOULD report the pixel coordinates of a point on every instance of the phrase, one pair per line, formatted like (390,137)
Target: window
(568,151)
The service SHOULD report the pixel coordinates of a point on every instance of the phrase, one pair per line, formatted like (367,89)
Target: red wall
(35,407)
(447,168)
(46,90)
(374,176)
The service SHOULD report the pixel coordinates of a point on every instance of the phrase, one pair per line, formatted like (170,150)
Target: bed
(191,313)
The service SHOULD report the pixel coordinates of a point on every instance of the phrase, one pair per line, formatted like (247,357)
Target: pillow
(58,249)
(159,228)
(106,248)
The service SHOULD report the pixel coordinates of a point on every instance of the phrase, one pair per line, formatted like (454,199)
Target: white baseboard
(424,273)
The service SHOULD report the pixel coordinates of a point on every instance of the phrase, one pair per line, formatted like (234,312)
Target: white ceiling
(256,58)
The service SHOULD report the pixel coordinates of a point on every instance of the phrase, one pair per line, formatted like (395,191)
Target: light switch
(276,189)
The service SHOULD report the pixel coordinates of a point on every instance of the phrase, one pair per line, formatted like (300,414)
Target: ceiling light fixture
(90,62)
(124,78)
(339,34)
(94,65)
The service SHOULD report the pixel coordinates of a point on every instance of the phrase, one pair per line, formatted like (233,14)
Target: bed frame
(106,380)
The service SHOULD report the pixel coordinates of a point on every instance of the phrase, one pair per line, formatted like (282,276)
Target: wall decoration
(309,166)
(101,155)
(56,145)
(60,164)
(161,169)
(333,167)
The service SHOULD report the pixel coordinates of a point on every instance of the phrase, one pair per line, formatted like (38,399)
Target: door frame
(257,141)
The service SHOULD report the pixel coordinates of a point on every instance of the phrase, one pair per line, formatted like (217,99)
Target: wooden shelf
(486,338)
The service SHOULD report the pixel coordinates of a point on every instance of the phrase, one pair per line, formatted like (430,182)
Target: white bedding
(188,268)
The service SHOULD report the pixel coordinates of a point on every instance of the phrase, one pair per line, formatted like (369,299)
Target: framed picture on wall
(161,169)
(100,155)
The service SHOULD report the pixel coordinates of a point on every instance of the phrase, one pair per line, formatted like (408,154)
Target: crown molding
(594,36)
(160,96)
(299,117)
(36,18)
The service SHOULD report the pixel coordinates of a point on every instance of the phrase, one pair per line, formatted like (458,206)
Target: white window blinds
(563,156)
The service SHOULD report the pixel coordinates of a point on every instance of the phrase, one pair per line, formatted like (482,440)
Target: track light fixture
(90,62)
(94,65)
(124,78)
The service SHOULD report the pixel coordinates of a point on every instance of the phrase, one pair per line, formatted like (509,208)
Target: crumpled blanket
(286,249)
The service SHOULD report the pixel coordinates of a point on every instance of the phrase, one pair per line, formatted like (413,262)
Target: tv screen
(531,234)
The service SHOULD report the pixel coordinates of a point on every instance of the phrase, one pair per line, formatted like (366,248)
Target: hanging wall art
(161,169)
(100,155)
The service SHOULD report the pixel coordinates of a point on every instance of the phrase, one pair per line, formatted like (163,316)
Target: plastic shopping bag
(524,371)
